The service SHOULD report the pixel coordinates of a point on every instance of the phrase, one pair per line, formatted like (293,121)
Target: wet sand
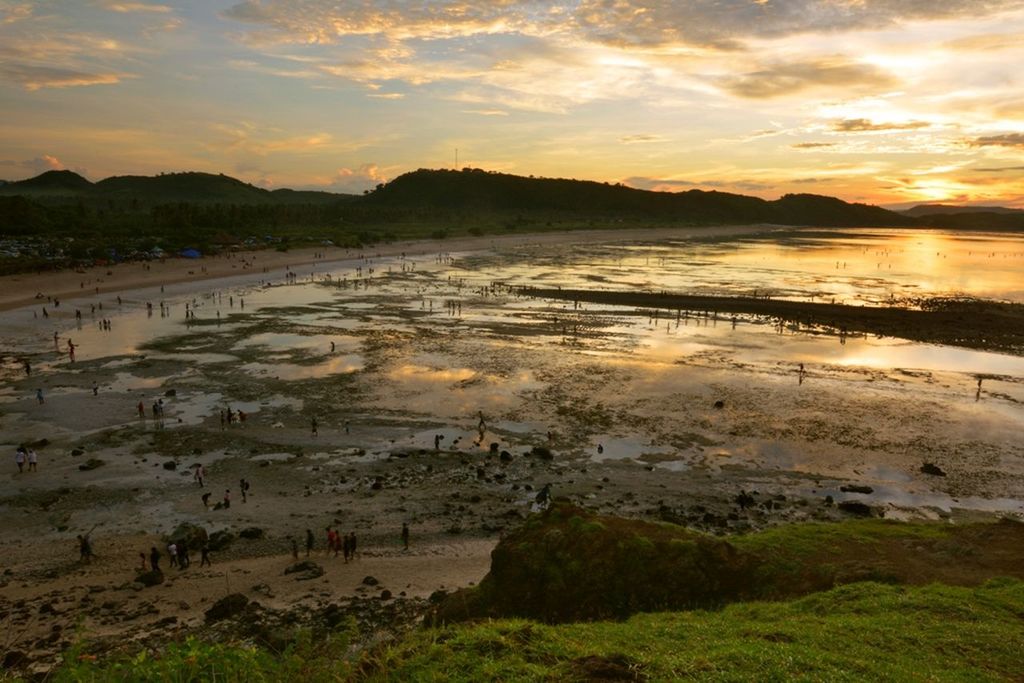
(602,413)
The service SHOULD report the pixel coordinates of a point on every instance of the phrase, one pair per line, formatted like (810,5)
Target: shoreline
(20,291)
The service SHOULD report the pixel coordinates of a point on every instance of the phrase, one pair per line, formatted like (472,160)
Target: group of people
(26,456)
(178,554)
(336,541)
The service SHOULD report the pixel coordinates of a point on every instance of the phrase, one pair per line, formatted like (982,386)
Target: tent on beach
(190,253)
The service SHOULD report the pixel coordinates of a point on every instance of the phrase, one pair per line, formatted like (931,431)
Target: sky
(892,102)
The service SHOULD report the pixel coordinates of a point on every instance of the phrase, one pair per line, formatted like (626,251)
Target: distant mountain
(947,209)
(167,188)
(981,220)
(49,184)
(472,189)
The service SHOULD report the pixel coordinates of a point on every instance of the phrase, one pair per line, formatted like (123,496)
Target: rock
(150,578)
(385,594)
(227,607)
(183,606)
(192,535)
(306,570)
(91,464)
(929,468)
(252,533)
(219,540)
(494,448)
(75,452)
(542,452)
(171,393)
(856,488)
(854,507)
(719,405)
(170,465)
(505,456)
(370,581)
(39,443)
(14,659)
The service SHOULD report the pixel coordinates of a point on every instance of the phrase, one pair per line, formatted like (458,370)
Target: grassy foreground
(864,631)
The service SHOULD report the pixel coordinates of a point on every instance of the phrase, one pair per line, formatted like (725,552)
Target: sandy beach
(444,402)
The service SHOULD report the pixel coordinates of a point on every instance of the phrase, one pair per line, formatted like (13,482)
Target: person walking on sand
(295,550)
(142,562)
(352,544)
(206,500)
(71,350)
(405,535)
(313,424)
(243,486)
(20,456)
(33,460)
(142,410)
(331,541)
(154,559)
(227,498)
(95,388)
(85,548)
(39,396)
(172,553)
(309,541)
(204,560)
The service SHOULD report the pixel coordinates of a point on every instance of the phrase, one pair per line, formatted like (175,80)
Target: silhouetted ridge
(49,183)
(477,189)
(946,209)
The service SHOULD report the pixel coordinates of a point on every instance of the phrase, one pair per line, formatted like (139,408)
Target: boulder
(385,594)
(370,581)
(150,578)
(306,570)
(219,540)
(227,607)
(505,456)
(719,405)
(91,464)
(193,535)
(171,393)
(542,452)
(170,465)
(930,468)
(856,508)
(252,533)
(856,488)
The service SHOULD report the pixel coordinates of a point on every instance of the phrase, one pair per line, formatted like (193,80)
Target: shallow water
(435,346)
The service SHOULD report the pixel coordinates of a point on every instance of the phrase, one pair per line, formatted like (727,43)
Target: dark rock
(75,452)
(192,535)
(494,447)
(617,667)
(930,468)
(370,581)
(91,464)
(252,533)
(170,465)
(14,659)
(227,607)
(219,540)
(542,452)
(856,488)
(385,594)
(719,405)
(306,570)
(856,508)
(150,578)
(39,443)
(505,456)
(171,393)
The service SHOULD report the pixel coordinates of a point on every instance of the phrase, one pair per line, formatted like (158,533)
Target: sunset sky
(887,101)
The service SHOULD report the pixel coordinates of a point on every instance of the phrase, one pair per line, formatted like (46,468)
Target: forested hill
(204,188)
(475,189)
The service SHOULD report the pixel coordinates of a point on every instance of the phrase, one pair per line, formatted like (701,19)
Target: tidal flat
(446,398)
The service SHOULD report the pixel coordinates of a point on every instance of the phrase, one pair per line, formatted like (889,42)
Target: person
(313,425)
(172,553)
(227,498)
(39,396)
(204,560)
(142,410)
(437,442)
(95,389)
(222,419)
(243,486)
(332,539)
(199,475)
(154,559)
(33,460)
(405,535)
(85,548)
(206,500)
(28,369)
(309,541)
(352,544)
(142,562)
(295,550)
(183,558)
(19,458)
(347,548)
(71,351)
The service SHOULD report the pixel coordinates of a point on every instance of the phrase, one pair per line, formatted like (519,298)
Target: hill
(477,190)
(49,184)
(947,209)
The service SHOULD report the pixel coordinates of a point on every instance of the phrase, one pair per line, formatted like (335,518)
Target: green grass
(864,631)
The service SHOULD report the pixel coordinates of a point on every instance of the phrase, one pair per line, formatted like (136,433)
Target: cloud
(780,79)
(10,13)
(38,165)
(862,125)
(813,145)
(37,77)
(355,181)
(128,7)
(986,42)
(1006,140)
(678,185)
(486,112)
(640,138)
(998,169)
